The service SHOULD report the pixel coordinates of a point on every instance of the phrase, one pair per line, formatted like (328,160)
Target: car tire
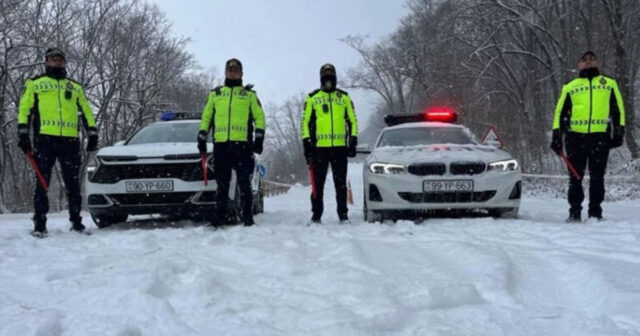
(511,213)
(234,213)
(369,215)
(258,203)
(104,221)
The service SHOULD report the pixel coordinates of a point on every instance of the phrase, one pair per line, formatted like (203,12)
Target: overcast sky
(282,43)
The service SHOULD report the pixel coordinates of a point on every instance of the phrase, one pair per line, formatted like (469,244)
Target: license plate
(149,186)
(453,185)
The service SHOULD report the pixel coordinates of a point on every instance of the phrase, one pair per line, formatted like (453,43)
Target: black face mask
(589,73)
(328,82)
(232,82)
(55,72)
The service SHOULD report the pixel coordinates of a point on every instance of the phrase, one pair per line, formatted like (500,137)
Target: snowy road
(479,276)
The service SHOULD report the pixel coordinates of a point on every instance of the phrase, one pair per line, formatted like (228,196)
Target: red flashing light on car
(441,114)
(435,114)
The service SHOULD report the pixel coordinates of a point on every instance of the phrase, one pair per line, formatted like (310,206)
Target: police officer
(53,106)
(233,112)
(329,136)
(590,116)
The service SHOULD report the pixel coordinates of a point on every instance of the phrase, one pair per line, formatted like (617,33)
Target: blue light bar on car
(170,115)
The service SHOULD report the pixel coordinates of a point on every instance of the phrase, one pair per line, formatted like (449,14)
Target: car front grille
(448,197)
(428,168)
(455,168)
(113,173)
(151,198)
(467,168)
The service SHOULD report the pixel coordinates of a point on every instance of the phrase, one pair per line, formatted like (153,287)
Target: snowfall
(534,275)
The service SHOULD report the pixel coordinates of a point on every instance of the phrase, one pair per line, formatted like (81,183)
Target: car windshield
(417,136)
(167,132)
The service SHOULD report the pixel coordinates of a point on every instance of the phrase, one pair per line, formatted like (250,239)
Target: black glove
(556,141)
(92,144)
(353,144)
(202,142)
(258,141)
(618,137)
(309,149)
(23,138)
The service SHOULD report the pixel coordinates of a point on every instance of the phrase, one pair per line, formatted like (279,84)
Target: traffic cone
(349,193)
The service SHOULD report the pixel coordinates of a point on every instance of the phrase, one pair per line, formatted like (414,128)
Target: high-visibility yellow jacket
(54,106)
(589,105)
(328,118)
(232,112)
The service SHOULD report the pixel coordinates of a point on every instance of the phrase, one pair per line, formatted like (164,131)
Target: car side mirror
(363,149)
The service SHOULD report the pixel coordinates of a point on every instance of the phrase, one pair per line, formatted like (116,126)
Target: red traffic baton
(566,161)
(43,183)
(313,180)
(203,159)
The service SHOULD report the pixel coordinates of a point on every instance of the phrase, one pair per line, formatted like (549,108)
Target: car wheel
(234,215)
(369,215)
(504,213)
(103,221)
(258,203)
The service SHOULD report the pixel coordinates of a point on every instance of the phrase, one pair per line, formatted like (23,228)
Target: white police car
(425,162)
(159,171)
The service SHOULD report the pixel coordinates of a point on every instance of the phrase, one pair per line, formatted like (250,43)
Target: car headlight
(504,166)
(386,168)
(92,167)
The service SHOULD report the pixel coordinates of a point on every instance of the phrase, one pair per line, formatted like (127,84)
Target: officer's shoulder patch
(314,92)
(608,78)
(249,87)
(217,89)
(342,92)
(74,81)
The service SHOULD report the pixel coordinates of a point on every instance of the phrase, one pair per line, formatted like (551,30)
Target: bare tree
(283,154)
(112,47)
(502,62)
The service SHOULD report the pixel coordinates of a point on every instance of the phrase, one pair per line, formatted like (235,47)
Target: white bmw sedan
(418,167)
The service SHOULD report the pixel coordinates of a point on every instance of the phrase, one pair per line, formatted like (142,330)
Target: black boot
(218,219)
(574,217)
(39,227)
(596,213)
(249,222)
(314,220)
(77,226)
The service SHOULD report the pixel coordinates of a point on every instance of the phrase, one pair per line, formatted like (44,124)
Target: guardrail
(272,188)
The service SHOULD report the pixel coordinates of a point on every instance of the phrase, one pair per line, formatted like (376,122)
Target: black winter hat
(588,52)
(234,62)
(54,51)
(327,69)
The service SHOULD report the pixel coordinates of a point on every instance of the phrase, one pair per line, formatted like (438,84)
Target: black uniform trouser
(592,151)
(67,151)
(337,158)
(237,156)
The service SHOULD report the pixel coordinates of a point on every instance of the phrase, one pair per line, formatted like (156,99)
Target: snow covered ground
(477,276)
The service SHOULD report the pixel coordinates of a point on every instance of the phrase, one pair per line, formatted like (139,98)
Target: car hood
(152,150)
(438,153)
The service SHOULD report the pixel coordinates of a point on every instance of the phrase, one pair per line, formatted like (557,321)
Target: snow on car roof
(178,121)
